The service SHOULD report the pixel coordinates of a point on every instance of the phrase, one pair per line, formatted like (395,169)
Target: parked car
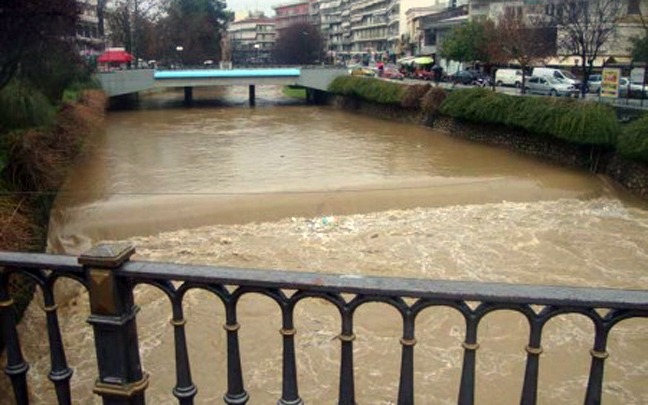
(550,86)
(358,70)
(558,74)
(508,77)
(636,89)
(594,83)
(463,77)
(391,72)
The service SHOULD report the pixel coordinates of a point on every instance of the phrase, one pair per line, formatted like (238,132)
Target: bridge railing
(110,278)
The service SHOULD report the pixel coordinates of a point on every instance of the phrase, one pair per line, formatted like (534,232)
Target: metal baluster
(60,373)
(347,385)
(185,390)
(17,367)
(235,391)
(470,345)
(290,390)
(599,354)
(534,350)
(113,318)
(406,386)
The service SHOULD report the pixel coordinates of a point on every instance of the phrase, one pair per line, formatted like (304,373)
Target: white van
(562,75)
(508,77)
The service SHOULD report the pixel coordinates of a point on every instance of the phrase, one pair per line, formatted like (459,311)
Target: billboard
(610,82)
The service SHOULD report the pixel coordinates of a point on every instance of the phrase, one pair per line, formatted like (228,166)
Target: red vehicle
(423,75)
(392,73)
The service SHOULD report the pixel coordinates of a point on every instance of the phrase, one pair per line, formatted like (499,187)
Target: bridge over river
(314,79)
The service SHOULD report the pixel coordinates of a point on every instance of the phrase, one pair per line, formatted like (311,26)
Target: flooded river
(290,186)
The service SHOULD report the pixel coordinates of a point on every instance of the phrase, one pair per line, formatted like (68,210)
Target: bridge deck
(133,81)
(220,74)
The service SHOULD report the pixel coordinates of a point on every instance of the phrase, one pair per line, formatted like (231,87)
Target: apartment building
(89,40)
(433,26)
(376,26)
(288,14)
(365,26)
(252,39)
(335,25)
(629,24)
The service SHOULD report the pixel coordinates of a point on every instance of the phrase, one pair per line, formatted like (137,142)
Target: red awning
(115,56)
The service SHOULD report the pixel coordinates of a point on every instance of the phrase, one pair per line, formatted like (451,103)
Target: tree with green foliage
(475,41)
(197,26)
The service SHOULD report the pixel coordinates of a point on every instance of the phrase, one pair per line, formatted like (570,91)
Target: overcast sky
(251,5)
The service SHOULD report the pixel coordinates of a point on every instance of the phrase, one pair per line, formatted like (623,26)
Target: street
(622,102)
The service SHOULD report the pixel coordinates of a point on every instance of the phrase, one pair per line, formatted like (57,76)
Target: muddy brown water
(298,187)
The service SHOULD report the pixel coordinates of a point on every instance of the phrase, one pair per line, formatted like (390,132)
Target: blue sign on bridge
(226,74)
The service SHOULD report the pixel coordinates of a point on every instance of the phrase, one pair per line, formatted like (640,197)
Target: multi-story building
(629,23)
(370,25)
(335,26)
(432,27)
(252,39)
(290,13)
(89,40)
(365,26)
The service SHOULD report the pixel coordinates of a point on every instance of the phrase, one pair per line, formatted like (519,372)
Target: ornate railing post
(121,380)
(16,367)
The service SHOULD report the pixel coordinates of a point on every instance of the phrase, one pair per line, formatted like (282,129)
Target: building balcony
(89,19)
(372,39)
(368,26)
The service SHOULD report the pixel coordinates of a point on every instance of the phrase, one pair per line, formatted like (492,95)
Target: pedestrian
(438,73)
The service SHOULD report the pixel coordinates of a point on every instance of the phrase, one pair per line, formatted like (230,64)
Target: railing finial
(107,255)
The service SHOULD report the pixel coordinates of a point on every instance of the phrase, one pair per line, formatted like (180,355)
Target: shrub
(22,107)
(633,142)
(413,95)
(571,120)
(39,157)
(432,101)
(375,90)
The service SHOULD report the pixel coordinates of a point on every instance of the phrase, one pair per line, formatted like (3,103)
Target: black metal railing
(110,279)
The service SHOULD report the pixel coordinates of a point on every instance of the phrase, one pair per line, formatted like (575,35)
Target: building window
(430,37)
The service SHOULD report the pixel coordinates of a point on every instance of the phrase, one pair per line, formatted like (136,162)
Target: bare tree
(300,43)
(525,40)
(584,28)
(132,23)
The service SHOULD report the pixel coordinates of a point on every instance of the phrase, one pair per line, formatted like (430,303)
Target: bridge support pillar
(314,96)
(252,96)
(188,95)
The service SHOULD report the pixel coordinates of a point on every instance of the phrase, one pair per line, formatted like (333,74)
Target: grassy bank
(577,122)
(294,92)
(38,145)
